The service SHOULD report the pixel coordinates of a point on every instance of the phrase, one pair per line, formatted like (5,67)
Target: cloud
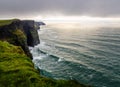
(29,8)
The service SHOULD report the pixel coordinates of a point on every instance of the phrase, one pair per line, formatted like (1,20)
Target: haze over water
(77,51)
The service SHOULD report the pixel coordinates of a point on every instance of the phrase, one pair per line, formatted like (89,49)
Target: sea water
(88,55)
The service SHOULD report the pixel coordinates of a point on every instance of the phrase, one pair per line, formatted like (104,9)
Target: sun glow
(84,21)
(74,18)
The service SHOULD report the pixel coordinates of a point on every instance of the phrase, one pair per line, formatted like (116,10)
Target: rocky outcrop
(31,33)
(38,24)
(20,33)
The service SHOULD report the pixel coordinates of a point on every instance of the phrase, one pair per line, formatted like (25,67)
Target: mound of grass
(17,70)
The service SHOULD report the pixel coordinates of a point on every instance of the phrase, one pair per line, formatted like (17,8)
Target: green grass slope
(17,70)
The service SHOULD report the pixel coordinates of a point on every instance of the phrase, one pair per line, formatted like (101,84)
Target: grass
(5,47)
(17,70)
(6,22)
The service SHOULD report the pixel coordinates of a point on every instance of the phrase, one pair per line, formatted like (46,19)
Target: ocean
(90,55)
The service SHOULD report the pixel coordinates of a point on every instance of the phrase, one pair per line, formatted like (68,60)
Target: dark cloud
(28,8)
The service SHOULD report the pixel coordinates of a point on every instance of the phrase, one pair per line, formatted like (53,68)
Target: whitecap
(38,57)
(59,60)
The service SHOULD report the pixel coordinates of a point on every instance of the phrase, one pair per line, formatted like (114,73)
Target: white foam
(37,57)
(59,60)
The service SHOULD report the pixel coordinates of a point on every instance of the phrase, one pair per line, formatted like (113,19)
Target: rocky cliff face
(20,33)
(31,33)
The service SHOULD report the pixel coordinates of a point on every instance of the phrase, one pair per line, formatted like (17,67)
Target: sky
(42,8)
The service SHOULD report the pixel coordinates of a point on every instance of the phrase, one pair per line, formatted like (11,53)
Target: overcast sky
(32,8)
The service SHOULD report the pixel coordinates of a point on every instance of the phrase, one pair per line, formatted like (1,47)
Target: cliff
(20,33)
(16,67)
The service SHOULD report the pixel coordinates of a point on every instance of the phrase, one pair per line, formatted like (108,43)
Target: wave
(71,49)
(50,55)
(107,36)
(60,59)
(111,47)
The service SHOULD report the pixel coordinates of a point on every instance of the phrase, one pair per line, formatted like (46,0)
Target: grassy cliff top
(6,22)
(17,70)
